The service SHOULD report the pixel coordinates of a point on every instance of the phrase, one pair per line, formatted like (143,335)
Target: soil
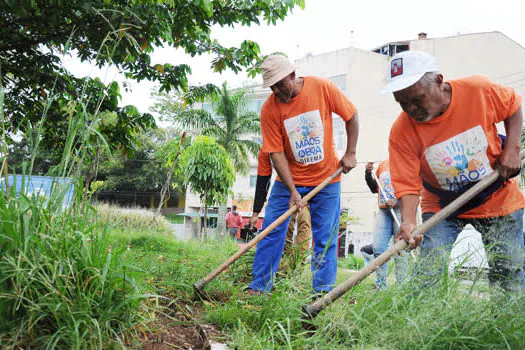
(176,329)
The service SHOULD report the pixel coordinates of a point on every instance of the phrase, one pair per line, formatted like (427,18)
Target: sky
(329,25)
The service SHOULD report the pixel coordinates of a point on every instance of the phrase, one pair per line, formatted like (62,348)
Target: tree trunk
(199,236)
(221,218)
(166,187)
(205,218)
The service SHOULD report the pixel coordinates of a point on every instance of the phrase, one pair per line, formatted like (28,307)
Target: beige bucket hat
(275,68)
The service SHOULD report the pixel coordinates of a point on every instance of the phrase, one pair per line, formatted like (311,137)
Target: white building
(360,73)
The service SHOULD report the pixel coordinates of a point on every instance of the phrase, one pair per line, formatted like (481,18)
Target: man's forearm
(261,192)
(352,133)
(370,182)
(409,204)
(513,125)
(283,170)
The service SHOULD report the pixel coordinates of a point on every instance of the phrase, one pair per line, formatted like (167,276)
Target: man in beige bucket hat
(296,126)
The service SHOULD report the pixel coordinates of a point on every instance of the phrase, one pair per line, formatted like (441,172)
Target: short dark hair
(234,207)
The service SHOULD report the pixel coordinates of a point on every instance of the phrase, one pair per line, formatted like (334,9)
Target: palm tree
(231,124)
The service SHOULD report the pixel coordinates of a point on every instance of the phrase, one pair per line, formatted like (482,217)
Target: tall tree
(170,153)
(208,170)
(36,33)
(145,170)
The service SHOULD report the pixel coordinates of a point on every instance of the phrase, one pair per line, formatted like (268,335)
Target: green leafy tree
(231,123)
(170,153)
(209,171)
(35,34)
(144,171)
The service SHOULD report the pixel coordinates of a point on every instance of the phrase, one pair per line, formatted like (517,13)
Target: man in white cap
(296,125)
(442,144)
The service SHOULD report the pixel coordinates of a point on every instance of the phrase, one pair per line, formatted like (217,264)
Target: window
(253,180)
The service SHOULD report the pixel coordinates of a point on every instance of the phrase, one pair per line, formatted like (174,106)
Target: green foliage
(351,262)
(169,151)
(131,218)
(36,33)
(174,218)
(231,123)
(208,170)
(62,284)
(173,265)
(458,314)
(145,170)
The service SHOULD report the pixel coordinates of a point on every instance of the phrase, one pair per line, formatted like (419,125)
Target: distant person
(233,222)
(296,127)
(304,224)
(443,143)
(385,227)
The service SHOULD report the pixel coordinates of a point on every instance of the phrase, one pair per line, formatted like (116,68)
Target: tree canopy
(208,169)
(36,33)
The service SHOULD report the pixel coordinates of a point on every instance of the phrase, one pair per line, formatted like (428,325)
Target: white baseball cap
(406,68)
(275,68)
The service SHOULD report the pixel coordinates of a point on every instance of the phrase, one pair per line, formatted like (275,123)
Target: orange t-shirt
(383,175)
(264,165)
(302,129)
(459,147)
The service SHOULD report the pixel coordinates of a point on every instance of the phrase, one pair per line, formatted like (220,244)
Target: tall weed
(62,283)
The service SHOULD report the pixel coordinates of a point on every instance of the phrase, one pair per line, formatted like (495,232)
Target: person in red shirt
(233,222)
(443,143)
(296,126)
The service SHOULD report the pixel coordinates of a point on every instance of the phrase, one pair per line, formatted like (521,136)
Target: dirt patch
(176,328)
(174,336)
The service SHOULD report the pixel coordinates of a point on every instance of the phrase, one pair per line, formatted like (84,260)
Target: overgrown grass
(454,315)
(131,218)
(351,262)
(62,283)
(174,218)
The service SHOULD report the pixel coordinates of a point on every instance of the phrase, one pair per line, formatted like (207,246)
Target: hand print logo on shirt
(306,135)
(460,160)
(386,182)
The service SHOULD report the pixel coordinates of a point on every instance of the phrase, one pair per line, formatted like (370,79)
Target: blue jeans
(503,240)
(385,229)
(324,211)
(367,258)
